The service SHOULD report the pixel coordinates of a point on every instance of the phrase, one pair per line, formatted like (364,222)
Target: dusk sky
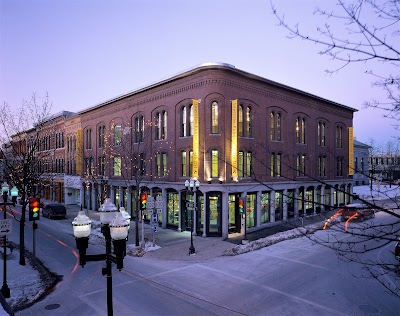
(84,52)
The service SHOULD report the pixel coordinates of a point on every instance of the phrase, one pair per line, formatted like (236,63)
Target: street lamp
(5,290)
(114,228)
(192,186)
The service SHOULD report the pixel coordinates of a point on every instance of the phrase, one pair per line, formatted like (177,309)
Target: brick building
(287,152)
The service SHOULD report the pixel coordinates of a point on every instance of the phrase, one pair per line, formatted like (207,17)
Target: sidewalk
(174,245)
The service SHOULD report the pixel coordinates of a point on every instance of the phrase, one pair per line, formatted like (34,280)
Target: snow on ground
(379,192)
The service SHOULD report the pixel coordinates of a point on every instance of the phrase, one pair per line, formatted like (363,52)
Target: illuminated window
(214,118)
(214,164)
(241,164)
(117,166)
(117,135)
(183,122)
(249,167)
(183,163)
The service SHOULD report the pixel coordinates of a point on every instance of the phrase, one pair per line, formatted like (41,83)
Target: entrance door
(233,214)
(214,227)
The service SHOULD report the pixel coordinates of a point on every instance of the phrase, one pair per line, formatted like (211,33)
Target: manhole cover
(50,307)
(368,309)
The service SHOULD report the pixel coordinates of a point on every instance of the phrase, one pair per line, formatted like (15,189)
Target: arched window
(183,122)
(248,122)
(139,128)
(214,118)
(240,120)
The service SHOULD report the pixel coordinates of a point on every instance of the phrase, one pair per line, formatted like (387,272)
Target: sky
(82,53)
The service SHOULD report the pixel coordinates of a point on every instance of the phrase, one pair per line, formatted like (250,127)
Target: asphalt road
(293,277)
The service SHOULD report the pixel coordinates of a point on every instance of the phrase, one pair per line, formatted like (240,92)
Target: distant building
(385,167)
(361,163)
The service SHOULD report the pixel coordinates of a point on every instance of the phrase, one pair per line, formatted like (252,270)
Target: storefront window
(173,208)
(251,209)
(265,207)
(278,205)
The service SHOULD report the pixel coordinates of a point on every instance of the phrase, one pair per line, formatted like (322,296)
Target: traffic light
(34,209)
(241,205)
(143,201)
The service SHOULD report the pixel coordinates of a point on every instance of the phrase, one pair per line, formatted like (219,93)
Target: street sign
(150,202)
(5,227)
(159,210)
(159,202)
(155,229)
(154,218)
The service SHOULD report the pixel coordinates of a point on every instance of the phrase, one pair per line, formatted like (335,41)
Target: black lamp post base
(192,251)
(5,290)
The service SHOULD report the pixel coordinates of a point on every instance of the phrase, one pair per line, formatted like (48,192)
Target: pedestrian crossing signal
(34,209)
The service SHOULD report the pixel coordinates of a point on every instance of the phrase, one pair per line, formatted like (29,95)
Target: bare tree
(20,139)
(359,31)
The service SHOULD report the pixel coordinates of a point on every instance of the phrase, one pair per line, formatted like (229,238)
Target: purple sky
(86,52)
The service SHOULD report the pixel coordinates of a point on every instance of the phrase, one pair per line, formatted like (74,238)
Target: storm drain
(50,307)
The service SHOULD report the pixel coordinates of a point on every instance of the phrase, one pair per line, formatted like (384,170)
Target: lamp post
(115,229)
(5,290)
(192,186)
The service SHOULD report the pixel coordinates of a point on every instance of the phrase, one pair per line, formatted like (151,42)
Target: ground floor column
(205,225)
(285,206)
(180,211)
(164,213)
(225,213)
(272,206)
(258,208)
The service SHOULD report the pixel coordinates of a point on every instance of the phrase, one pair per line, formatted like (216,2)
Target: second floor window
(214,164)
(161,164)
(117,166)
(301,165)
(339,166)
(183,163)
(322,166)
(276,165)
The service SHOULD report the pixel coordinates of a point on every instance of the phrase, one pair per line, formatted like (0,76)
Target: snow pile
(378,192)
(270,240)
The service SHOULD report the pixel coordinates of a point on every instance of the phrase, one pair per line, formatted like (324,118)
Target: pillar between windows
(296,203)
(164,208)
(180,212)
(94,200)
(272,206)
(225,219)
(129,206)
(258,208)
(322,198)
(285,209)
(314,200)
(204,215)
